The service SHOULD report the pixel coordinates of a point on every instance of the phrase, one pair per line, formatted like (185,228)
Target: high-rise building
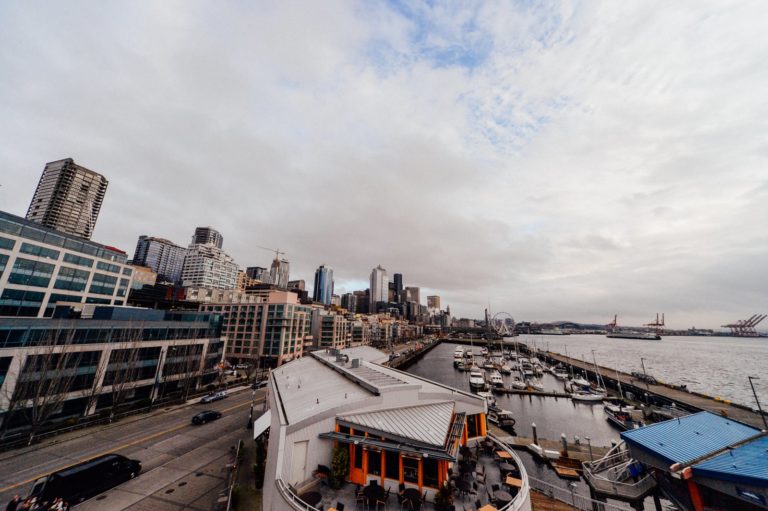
(256,272)
(278,273)
(349,302)
(68,198)
(433,302)
(40,267)
(398,280)
(412,294)
(297,285)
(164,257)
(323,290)
(207,236)
(209,266)
(379,287)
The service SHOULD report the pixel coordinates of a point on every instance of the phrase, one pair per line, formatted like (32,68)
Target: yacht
(518,384)
(458,355)
(488,396)
(502,418)
(496,379)
(621,415)
(587,396)
(505,369)
(476,378)
(536,385)
(488,364)
(527,369)
(484,352)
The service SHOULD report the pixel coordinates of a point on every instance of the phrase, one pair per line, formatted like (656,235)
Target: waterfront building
(323,290)
(256,273)
(330,330)
(393,428)
(40,267)
(68,198)
(143,276)
(433,303)
(349,302)
(699,462)
(209,266)
(397,279)
(379,288)
(92,358)
(207,236)
(278,273)
(265,328)
(163,256)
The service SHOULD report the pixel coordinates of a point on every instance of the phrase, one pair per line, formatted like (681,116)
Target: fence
(574,499)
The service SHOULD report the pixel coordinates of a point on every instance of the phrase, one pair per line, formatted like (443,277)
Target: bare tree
(183,364)
(45,379)
(123,368)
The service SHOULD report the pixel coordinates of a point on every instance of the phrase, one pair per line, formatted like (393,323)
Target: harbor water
(716,366)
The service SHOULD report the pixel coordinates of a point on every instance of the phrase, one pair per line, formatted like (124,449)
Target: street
(173,453)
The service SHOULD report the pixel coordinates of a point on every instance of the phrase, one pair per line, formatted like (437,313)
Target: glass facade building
(164,257)
(323,290)
(40,267)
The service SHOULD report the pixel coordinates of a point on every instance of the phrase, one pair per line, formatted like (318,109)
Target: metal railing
(522,501)
(572,498)
(610,475)
(291,498)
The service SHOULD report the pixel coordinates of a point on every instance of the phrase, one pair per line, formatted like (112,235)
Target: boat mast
(568,360)
(597,370)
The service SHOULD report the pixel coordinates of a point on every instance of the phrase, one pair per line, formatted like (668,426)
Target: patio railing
(522,501)
(609,475)
(572,498)
(291,498)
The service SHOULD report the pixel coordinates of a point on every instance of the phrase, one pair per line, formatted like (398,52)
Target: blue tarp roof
(746,464)
(687,438)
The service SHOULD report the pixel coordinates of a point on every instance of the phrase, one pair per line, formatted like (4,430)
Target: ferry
(633,334)
(476,378)
(496,379)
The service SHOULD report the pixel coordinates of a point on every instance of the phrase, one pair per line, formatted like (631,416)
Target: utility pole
(750,378)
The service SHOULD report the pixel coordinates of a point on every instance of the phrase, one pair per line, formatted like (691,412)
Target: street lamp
(750,378)
(589,444)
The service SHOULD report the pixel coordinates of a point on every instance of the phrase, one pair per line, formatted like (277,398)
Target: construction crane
(277,251)
(746,327)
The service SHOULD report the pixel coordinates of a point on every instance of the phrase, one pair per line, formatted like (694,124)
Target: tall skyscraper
(323,290)
(349,302)
(68,198)
(433,302)
(207,235)
(398,280)
(412,294)
(379,287)
(164,257)
(278,273)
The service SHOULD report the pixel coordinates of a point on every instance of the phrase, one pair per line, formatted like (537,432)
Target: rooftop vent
(355,363)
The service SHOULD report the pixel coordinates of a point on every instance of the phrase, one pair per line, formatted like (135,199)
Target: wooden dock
(540,502)
(578,452)
(694,402)
(545,393)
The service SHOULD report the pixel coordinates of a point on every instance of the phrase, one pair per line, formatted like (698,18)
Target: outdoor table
(502,497)
(312,498)
(504,455)
(374,494)
(487,507)
(464,485)
(507,467)
(412,498)
(513,481)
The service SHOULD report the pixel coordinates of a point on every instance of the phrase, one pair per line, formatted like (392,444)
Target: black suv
(206,416)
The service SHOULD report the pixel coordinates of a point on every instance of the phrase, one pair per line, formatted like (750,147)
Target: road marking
(115,449)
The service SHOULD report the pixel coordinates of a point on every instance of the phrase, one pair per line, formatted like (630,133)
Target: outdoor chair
(495,488)
(339,506)
(478,505)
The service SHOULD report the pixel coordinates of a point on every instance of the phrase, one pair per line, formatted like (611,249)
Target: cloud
(558,160)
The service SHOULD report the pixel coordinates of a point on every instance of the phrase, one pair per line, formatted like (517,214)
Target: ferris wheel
(503,324)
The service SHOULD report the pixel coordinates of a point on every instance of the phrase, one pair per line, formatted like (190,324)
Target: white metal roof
(428,424)
(261,424)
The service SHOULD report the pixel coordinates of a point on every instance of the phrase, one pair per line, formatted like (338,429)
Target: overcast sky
(556,160)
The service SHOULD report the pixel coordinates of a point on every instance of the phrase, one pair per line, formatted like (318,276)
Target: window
(78,260)
(31,273)
(410,470)
(374,463)
(112,268)
(3,263)
(55,298)
(7,243)
(392,465)
(472,427)
(71,279)
(127,271)
(429,476)
(97,300)
(358,456)
(123,287)
(28,248)
(102,284)
(16,302)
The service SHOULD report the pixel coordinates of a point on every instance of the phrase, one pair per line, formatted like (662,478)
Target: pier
(543,393)
(659,392)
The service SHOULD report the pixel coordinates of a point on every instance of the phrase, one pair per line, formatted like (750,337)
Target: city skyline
(613,163)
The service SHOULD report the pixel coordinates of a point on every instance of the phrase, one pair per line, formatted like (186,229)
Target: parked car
(84,480)
(259,384)
(206,416)
(214,396)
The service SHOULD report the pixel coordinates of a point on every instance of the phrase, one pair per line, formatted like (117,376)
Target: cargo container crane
(746,327)
(657,325)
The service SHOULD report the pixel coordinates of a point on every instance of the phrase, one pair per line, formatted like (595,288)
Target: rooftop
(746,464)
(688,438)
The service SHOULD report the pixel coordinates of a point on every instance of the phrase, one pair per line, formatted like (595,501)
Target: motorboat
(502,418)
(476,378)
(527,369)
(621,415)
(560,372)
(496,379)
(505,369)
(484,352)
(518,384)
(536,385)
(578,383)
(488,364)
(537,370)
(488,396)
(458,356)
